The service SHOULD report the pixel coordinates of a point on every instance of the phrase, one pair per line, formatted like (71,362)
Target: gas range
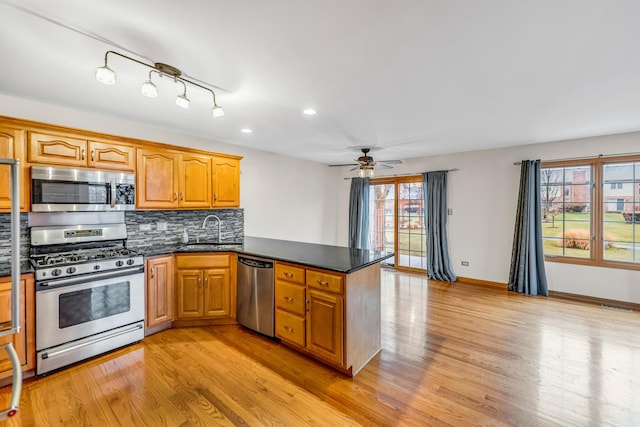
(77,262)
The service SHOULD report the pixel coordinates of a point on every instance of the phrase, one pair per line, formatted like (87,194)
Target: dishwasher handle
(255,263)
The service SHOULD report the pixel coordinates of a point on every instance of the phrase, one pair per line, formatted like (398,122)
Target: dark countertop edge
(176,249)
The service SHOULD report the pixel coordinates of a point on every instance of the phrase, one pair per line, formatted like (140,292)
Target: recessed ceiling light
(309,111)
(246,130)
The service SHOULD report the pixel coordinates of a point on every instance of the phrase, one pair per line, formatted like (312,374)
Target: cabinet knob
(287,328)
(288,298)
(307,303)
(153,272)
(92,156)
(322,282)
(287,274)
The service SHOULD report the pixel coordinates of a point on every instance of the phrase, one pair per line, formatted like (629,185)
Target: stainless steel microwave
(60,189)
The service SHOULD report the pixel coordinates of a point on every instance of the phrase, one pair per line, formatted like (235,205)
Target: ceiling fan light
(149,89)
(105,75)
(217,111)
(182,101)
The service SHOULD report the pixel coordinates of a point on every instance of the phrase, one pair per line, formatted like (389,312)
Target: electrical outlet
(161,226)
(449,211)
(465,263)
(145,227)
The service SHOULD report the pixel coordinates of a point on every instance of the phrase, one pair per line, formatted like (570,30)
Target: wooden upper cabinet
(70,151)
(11,147)
(226,182)
(104,155)
(194,181)
(57,150)
(157,179)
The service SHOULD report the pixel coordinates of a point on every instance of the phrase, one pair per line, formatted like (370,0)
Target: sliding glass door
(397,220)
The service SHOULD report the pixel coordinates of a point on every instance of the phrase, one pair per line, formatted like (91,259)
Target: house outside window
(591,211)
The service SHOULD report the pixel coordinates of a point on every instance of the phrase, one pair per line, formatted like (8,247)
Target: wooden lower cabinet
(160,304)
(325,325)
(204,286)
(23,342)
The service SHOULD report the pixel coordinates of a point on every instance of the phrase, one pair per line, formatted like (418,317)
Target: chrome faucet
(219,225)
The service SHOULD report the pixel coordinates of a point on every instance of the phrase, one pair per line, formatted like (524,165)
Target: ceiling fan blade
(344,164)
(381,166)
(392,162)
(353,169)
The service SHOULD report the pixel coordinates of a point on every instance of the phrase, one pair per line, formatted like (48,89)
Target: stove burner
(65,258)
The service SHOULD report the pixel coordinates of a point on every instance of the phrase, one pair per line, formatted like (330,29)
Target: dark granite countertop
(5,268)
(335,258)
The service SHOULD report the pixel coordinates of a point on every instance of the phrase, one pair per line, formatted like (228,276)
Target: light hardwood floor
(453,354)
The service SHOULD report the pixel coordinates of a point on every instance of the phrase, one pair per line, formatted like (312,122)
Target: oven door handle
(91,277)
(47,355)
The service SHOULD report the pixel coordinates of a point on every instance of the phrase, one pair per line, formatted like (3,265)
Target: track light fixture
(107,76)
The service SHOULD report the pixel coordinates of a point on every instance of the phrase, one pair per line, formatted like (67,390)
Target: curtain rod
(406,174)
(599,156)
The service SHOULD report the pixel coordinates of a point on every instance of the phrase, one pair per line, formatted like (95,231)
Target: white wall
(483,194)
(282,197)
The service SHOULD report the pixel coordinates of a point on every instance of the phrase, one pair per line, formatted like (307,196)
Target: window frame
(596,257)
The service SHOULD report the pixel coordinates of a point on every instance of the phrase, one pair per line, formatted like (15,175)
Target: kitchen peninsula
(327,298)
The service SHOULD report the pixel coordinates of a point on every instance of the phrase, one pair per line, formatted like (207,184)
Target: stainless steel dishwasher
(255,300)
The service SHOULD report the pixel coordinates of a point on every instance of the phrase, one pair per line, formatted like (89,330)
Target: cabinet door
(24,341)
(11,148)
(226,182)
(189,294)
(217,286)
(157,179)
(194,181)
(105,155)
(325,326)
(57,150)
(159,290)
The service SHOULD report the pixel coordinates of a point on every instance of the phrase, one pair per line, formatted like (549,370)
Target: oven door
(86,306)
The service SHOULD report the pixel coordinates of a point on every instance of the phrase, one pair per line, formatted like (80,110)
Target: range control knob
(71,270)
(119,263)
(56,272)
(96,267)
(130,261)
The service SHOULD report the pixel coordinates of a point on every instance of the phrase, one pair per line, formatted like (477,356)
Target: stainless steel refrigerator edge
(255,301)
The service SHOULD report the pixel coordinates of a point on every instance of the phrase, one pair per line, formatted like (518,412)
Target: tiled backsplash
(5,237)
(176,221)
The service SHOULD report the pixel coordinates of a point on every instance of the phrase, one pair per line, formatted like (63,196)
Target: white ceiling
(408,78)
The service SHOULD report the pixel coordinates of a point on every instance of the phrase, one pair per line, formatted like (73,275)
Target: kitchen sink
(210,246)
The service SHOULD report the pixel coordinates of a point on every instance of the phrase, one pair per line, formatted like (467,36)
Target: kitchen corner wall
(5,237)
(176,221)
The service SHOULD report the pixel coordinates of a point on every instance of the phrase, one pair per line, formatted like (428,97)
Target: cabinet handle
(287,274)
(215,197)
(182,195)
(322,282)
(153,272)
(92,156)
(287,298)
(199,281)
(307,303)
(206,282)
(287,328)
(82,154)
(175,196)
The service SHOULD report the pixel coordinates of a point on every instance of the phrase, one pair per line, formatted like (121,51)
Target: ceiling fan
(366,165)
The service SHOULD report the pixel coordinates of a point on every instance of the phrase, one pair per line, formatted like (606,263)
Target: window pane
(566,211)
(621,211)
(411,231)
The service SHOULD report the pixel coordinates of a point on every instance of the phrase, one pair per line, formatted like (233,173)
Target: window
(591,211)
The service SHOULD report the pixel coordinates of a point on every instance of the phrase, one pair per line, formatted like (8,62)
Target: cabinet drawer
(290,327)
(290,297)
(290,273)
(203,261)
(325,281)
